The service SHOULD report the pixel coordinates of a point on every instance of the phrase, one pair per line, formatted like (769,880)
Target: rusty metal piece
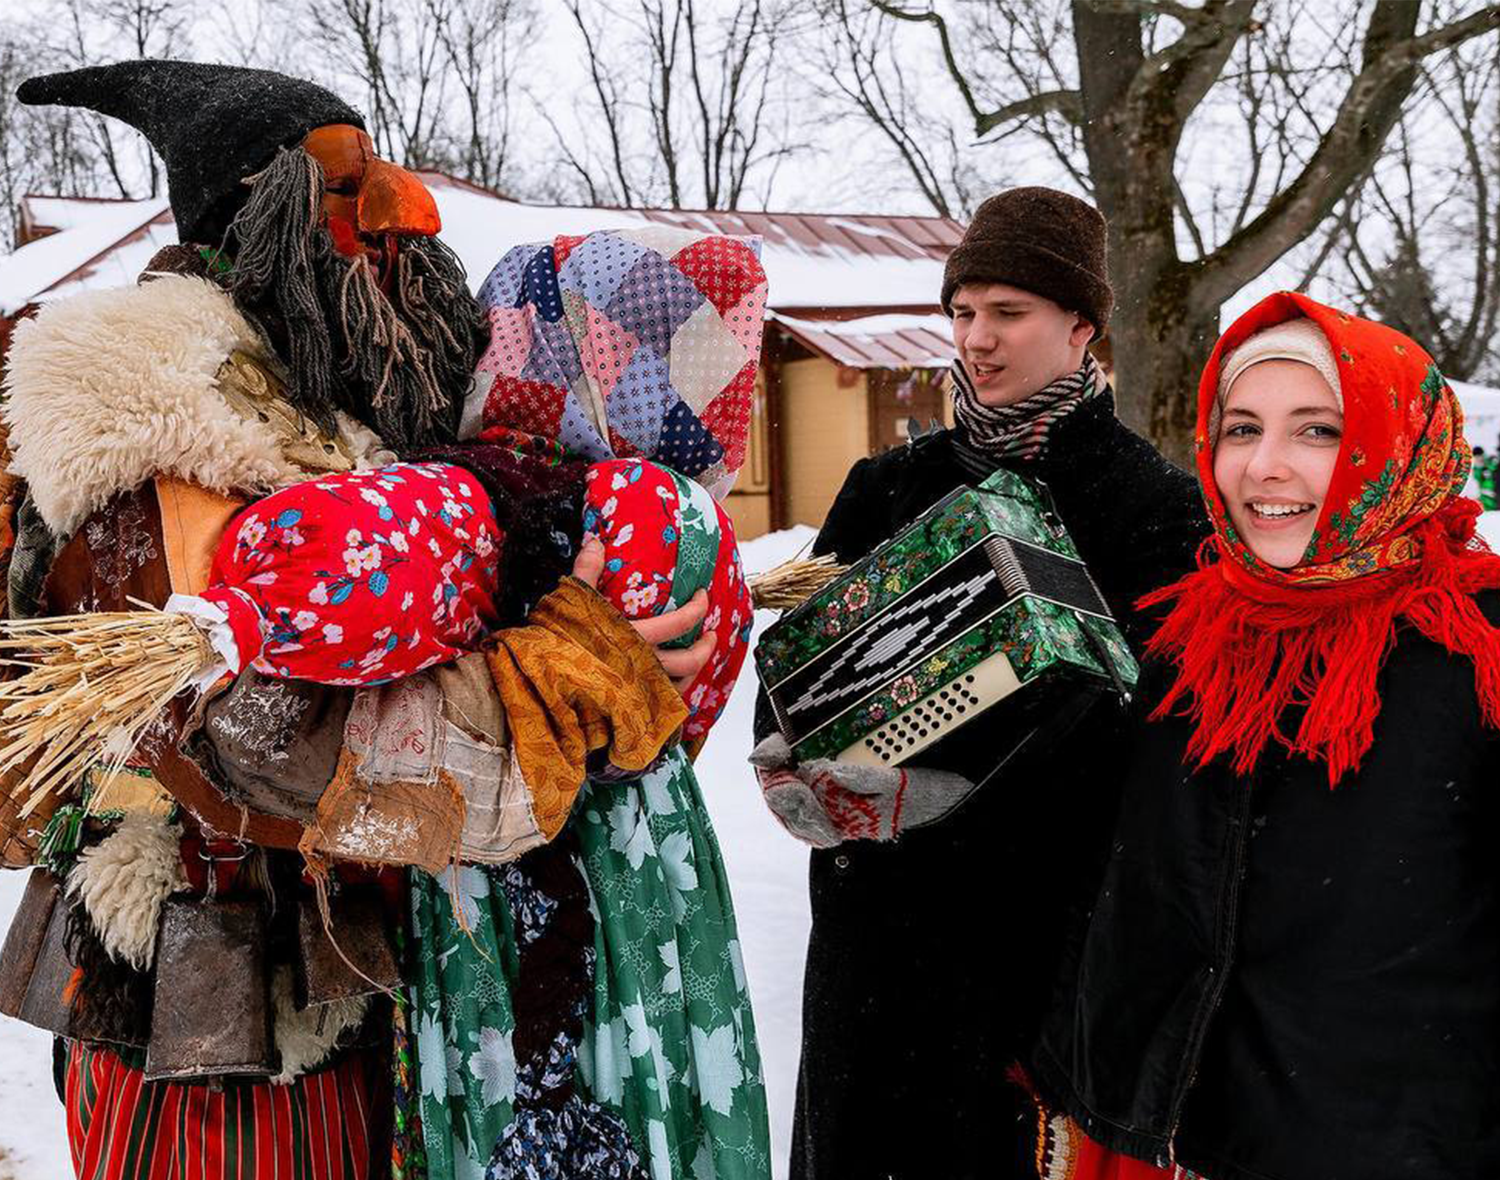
(357,921)
(211,1010)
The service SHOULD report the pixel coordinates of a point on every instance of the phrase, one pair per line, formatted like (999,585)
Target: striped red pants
(122,1127)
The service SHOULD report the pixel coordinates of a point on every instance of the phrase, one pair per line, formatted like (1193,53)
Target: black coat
(930,957)
(1302,984)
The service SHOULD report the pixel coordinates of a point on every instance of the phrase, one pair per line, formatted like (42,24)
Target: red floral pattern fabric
(665,539)
(1403,455)
(362,577)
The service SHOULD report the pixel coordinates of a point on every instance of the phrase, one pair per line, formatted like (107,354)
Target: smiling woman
(1278,978)
(1280,420)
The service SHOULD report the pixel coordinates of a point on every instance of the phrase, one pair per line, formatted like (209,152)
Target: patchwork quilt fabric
(626,343)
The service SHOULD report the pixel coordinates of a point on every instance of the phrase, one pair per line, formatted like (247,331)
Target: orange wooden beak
(393,201)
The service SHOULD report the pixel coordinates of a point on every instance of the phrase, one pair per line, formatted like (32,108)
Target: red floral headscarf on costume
(1394,543)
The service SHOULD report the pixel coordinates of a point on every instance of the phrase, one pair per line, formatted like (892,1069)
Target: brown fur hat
(1042,241)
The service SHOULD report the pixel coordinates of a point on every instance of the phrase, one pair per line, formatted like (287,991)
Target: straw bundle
(793,582)
(88,688)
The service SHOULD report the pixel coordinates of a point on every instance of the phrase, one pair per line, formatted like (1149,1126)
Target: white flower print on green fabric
(629,833)
(671,982)
(661,1151)
(470,886)
(494,1064)
(432,1057)
(659,799)
(703,1164)
(717,1072)
(670,1042)
(677,864)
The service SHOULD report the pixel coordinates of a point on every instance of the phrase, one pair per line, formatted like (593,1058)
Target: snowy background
(767,871)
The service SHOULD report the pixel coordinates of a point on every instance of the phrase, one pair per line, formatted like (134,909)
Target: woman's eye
(1241,430)
(1319,431)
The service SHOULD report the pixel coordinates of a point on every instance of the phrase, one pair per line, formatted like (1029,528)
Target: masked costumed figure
(223,1006)
(629,348)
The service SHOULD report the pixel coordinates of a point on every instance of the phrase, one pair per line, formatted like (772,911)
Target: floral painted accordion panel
(980,607)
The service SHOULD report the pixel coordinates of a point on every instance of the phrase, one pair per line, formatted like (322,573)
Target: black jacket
(931,957)
(1285,982)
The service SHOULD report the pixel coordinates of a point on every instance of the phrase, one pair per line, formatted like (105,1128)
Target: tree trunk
(1160,350)
(1159,339)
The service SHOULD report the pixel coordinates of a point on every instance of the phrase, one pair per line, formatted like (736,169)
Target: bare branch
(1066,102)
(1346,150)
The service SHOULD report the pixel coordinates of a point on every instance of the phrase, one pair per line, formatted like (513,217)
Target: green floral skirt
(670,1043)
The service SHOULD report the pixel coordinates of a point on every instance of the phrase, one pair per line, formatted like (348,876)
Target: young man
(932,955)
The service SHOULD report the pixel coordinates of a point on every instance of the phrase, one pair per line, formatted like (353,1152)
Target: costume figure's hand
(681,664)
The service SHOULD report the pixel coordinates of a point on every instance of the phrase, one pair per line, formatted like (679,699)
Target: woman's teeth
(1278,510)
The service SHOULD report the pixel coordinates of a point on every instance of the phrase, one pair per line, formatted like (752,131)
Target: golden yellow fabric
(135,792)
(576,678)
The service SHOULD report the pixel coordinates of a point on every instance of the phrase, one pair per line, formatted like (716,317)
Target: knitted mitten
(824,803)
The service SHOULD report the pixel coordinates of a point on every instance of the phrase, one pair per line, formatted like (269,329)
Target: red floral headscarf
(1394,542)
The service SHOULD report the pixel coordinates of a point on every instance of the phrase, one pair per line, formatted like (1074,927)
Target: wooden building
(855,342)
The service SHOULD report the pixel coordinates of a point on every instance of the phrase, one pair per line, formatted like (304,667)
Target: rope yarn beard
(400,364)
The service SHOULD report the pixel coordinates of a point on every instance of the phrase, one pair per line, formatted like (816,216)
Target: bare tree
(51,150)
(394,50)
(1136,74)
(860,63)
(1418,246)
(480,41)
(112,30)
(687,109)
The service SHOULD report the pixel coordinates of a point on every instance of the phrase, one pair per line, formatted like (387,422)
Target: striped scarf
(1020,431)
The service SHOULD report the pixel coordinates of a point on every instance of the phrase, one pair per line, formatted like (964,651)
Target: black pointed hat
(212,125)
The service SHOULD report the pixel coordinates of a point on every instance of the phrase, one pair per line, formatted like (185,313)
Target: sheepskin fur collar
(110,388)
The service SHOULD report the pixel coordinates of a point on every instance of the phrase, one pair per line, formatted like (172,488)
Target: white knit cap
(1296,340)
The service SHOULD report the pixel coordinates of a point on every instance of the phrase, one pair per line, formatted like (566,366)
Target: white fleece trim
(109,388)
(305,1038)
(122,882)
(365,447)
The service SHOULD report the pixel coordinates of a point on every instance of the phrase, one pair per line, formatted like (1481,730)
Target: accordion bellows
(982,597)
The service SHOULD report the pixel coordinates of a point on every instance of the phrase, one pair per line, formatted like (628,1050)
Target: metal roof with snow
(894,341)
(860,289)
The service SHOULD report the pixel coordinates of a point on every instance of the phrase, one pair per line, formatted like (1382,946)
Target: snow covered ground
(767,871)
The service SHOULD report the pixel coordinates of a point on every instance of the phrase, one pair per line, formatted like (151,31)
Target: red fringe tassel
(1247,651)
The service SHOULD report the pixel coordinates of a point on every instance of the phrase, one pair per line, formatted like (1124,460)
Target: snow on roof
(83,256)
(815,262)
(812,260)
(61,213)
(898,341)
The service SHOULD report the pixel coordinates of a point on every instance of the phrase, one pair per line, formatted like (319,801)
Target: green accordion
(980,607)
